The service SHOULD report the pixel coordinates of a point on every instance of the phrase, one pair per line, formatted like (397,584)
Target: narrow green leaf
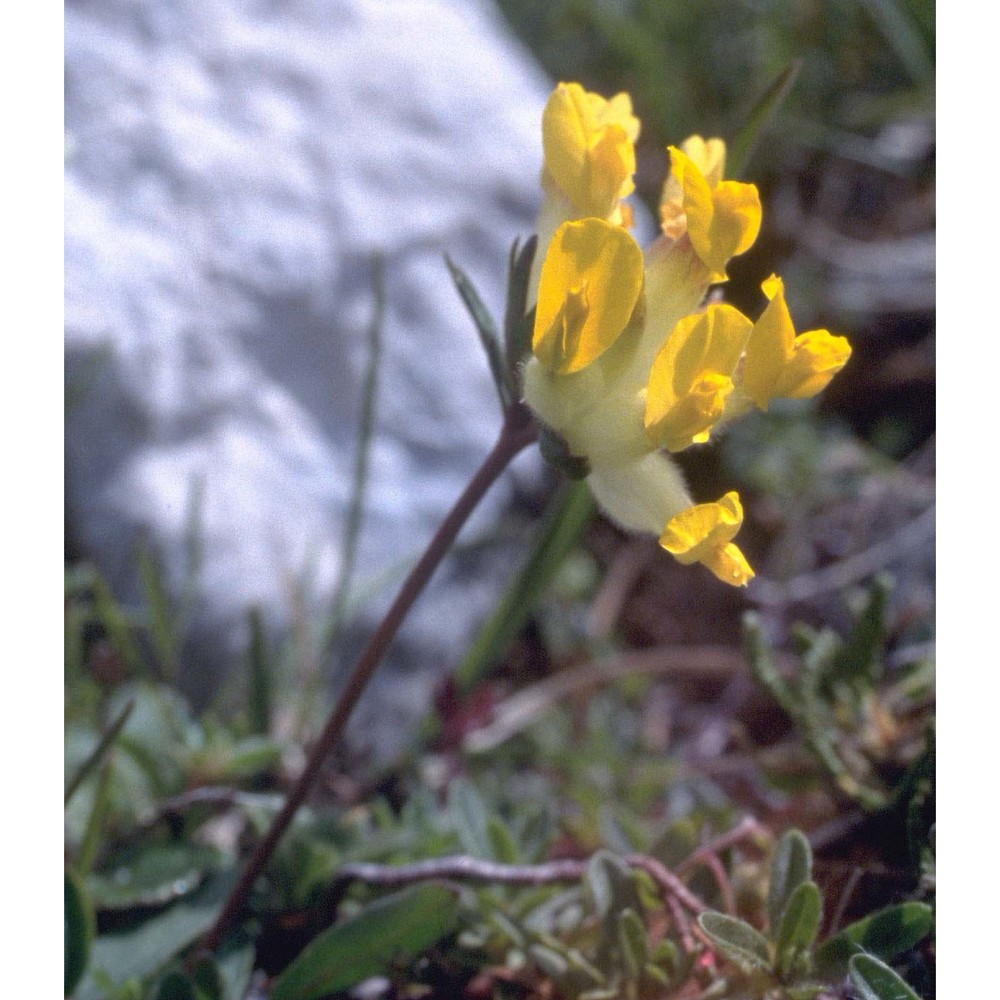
(885,935)
(741,147)
(874,980)
(790,867)
(118,626)
(632,941)
(152,875)
(91,842)
(502,845)
(470,817)
(486,327)
(548,960)
(162,627)
(737,940)
(359,477)
(78,930)
(762,665)
(395,929)
(518,322)
(261,682)
(104,744)
(859,660)
(569,512)
(797,928)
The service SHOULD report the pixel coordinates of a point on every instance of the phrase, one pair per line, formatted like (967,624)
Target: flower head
(627,361)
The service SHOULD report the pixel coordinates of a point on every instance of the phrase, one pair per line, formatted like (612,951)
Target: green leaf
(611,884)
(95,823)
(519,322)
(208,978)
(548,960)
(790,867)
(163,629)
(395,929)
(486,327)
(632,941)
(859,660)
(471,818)
(885,935)
(737,940)
(568,514)
(741,146)
(139,951)
(177,986)
(104,744)
(874,980)
(78,930)
(152,877)
(261,681)
(797,929)
(502,845)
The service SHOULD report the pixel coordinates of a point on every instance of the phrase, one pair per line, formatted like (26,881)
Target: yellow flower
(704,533)
(721,218)
(626,360)
(590,283)
(780,364)
(692,376)
(589,148)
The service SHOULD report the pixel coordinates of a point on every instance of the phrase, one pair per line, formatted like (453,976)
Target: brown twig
(461,867)
(517,433)
(746,828)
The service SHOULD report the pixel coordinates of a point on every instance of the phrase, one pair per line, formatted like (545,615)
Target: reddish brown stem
(517,433)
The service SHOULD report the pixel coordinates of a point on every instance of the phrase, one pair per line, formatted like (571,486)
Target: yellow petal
(589,147)
(710,159)
(590,284)
(780,364)
(704,534)
(722,221)
(691,377)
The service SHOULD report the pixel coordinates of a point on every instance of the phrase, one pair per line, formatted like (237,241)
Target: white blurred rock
(232,171)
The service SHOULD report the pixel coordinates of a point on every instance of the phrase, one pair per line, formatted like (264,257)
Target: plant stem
(517,433)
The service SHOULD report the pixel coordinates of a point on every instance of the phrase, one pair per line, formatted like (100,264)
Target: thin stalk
(517,433)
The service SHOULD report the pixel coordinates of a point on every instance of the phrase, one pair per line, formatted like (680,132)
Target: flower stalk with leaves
(609,358)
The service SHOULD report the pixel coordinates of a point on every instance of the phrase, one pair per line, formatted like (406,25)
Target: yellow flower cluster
(627,361)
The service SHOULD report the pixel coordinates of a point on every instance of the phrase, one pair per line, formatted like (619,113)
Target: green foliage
(874,980)
(78,930)
(786,964)
(833,698)
(396,929)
